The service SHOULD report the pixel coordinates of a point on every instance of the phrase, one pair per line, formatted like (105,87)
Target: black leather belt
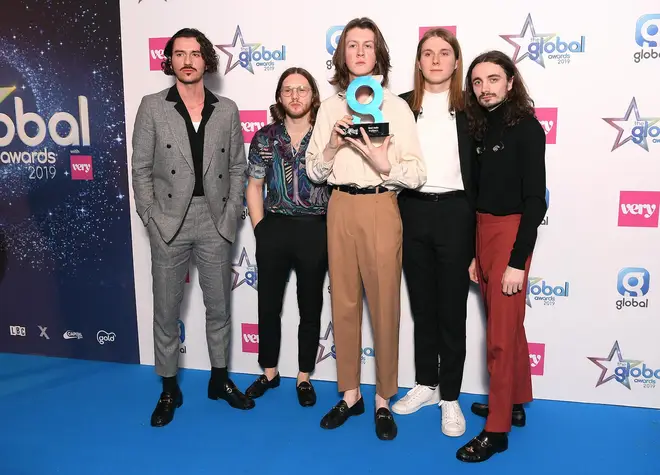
(352,190)
(419,195)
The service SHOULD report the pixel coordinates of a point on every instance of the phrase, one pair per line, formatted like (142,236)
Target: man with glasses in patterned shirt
(289,229)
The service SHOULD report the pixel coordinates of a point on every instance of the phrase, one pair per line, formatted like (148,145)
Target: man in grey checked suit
(188,170)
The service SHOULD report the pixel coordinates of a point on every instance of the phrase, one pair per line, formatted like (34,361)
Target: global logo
(539,290)
(647,35)
(244,272)
(78,130)
(327,349)
(538,47)
(632,284)
(248,55)
(104,337)
(615,368)
(182,336)
(636,129)
(332,38)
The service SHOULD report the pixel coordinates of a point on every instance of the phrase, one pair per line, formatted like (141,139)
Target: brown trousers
(507,351)
(364,248)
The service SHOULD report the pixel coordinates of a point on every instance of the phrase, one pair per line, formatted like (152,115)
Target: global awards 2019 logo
(539,47)
(614,367)
(27,131)
(249,55)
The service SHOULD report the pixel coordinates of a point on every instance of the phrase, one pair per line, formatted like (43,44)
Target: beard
(297,114)
(491,104)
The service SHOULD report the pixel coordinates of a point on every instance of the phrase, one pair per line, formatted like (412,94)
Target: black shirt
(510,172)
(196,138)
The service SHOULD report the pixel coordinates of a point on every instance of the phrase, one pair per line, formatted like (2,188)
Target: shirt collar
(174,96)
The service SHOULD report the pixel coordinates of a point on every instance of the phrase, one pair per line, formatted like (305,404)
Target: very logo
(639,209)
(251,122)
(156,52)
(250,340)
(78,128)
(547,117)
(81,167)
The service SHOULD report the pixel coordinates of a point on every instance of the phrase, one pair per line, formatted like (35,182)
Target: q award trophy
(379,128)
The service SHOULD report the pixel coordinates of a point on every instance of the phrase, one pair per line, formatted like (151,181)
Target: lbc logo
(16,330)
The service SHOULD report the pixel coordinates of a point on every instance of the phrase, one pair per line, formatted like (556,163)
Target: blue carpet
(74,417)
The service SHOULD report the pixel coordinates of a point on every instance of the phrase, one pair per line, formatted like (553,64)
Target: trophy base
(381,129)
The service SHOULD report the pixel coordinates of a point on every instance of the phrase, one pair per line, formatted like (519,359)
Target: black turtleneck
(510,172)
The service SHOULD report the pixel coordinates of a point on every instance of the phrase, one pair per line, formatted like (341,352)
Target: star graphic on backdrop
(232,50)
(612,365)
(526,41)
(323,353)
(5,92)
(531,281)
(245,269)
(626,118)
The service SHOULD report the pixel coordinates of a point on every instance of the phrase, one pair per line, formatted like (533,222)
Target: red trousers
(507,351)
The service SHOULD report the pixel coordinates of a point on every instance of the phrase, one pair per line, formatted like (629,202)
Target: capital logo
(43,333)
(547,117)
(639,209)
(250,337)
(70,335)
(327,347)
(541,291)
(81,167)
(537,47)
(78,128)
(104,337)
(615,368)
(244,272)
(248,55)
(251,122)
(537,358)
(17,330)
(182,336)
(332,38)
(637,130)
(633,284)
(157,53)
(424,29)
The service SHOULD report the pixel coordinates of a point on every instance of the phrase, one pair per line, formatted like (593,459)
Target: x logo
(43,333)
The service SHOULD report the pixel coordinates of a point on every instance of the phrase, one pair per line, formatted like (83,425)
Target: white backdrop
(597,234)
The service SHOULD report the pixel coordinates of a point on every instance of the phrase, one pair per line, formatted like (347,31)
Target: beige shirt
(349,167)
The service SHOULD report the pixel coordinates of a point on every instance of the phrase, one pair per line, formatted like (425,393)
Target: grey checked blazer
(163,172)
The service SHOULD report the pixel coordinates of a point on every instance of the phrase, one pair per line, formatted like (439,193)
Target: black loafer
(518,416)
(230,393)
(261,385)
(306,394)
(167,404)
(385,426)
(340,414)
(483,447)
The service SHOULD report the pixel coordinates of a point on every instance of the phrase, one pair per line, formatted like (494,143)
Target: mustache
(188,67)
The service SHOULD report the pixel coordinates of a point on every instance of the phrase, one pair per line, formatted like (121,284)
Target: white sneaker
(418,397)
(453,421)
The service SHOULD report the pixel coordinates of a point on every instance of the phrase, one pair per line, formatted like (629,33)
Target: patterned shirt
(288,189)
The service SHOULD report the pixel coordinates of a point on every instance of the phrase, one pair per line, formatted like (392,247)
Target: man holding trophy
(365,163)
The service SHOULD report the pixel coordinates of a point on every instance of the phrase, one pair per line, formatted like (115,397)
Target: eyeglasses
(302,90)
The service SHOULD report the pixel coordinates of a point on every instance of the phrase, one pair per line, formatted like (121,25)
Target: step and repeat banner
(591,323)
(66,265)
(66,262)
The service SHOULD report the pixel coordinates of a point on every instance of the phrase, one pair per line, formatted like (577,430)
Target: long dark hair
(518,102)
(456,87)
(206,48)
(341,78)
(277,111)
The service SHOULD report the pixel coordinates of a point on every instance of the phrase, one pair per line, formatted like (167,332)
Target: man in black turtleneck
(510,177)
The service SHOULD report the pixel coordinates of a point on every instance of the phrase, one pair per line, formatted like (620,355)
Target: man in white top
(364,225)
(438,231)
